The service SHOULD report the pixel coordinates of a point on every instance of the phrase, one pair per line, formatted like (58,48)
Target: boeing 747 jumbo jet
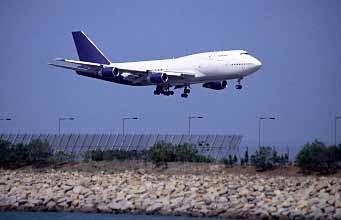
(211,69)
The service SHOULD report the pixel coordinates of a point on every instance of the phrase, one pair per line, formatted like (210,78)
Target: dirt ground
(172,169)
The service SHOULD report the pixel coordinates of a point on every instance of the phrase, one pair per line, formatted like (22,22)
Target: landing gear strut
(186,92)
(239,86)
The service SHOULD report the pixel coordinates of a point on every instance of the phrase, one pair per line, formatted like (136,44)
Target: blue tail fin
(87,50)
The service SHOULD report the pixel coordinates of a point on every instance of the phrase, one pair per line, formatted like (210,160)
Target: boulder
(51,205)
(153,208)
(337,214)
(78,189)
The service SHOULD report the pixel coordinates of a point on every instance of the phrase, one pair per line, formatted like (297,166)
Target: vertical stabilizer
(87,50)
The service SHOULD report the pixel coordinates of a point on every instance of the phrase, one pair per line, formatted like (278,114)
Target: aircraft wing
(134,75)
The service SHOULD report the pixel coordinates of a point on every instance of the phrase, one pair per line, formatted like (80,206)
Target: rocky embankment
(225,195)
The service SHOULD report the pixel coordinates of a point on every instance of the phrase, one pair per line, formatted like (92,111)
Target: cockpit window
(244,53)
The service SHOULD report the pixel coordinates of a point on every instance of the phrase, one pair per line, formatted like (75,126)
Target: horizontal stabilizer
(73,68)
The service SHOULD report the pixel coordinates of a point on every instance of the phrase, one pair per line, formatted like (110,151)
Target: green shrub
(316,157)
(162,153)
(21,154)
(94,155)
(4,151)
(230,160)
(265,158)
(110,155)
(61,156)
(246,156)
(38,150)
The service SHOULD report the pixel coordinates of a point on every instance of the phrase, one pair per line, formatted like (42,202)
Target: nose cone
(257,64)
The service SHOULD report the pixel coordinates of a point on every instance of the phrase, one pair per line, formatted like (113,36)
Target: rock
(337,214)
(154,208)
(286,204)
(302,204)
(122,205)
(88,208)
(244,192)
(338,204)
(51,205)
(221,194)
(78,189)
(102,207)
(67,188)
(313,201)
(35,202)
(329,210)
(317,213)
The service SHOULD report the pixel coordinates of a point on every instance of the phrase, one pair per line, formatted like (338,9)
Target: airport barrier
(215,146)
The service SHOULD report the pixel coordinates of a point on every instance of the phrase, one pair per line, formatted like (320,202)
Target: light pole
(5,119)
(189,122)
(123,122)
(63,119)
(335,135)
(259,125)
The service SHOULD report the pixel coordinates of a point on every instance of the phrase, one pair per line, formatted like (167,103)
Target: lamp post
(335,135)
(5,119)
(123,122)
(259,126)
(63,119)
(189,122)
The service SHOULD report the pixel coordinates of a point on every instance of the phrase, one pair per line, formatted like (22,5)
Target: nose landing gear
(186,92)
(239,86)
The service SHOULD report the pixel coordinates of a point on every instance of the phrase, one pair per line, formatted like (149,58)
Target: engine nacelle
(110,72)
(158,78)
(217,85)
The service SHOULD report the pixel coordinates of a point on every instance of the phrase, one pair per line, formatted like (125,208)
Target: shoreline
(225,195)
(16,215)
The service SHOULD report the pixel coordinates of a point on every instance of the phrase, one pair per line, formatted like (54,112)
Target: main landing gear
(239,86)
(186,92)
(163,90)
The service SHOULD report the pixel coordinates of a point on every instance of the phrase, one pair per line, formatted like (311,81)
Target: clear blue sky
(298,43)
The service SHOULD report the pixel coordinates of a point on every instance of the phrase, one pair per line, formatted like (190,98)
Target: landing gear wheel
(184,95)
(156,92)
(186,92)
(171,92)
(239,86)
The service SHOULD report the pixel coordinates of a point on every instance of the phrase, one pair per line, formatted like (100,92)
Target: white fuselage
(207,67)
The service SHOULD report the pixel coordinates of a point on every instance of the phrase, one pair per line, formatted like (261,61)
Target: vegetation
(61,156)
(317,157)
(230,160)
(314,157)
(162,153)
(21,154)
(266,158)
(110,155)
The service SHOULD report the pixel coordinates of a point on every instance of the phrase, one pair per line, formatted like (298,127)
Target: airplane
(211,69)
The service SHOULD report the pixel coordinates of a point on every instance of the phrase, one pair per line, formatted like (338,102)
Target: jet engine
(217,85)
(158,78)
(110,72)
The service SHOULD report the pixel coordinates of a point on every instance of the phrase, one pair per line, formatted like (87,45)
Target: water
(88,216)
